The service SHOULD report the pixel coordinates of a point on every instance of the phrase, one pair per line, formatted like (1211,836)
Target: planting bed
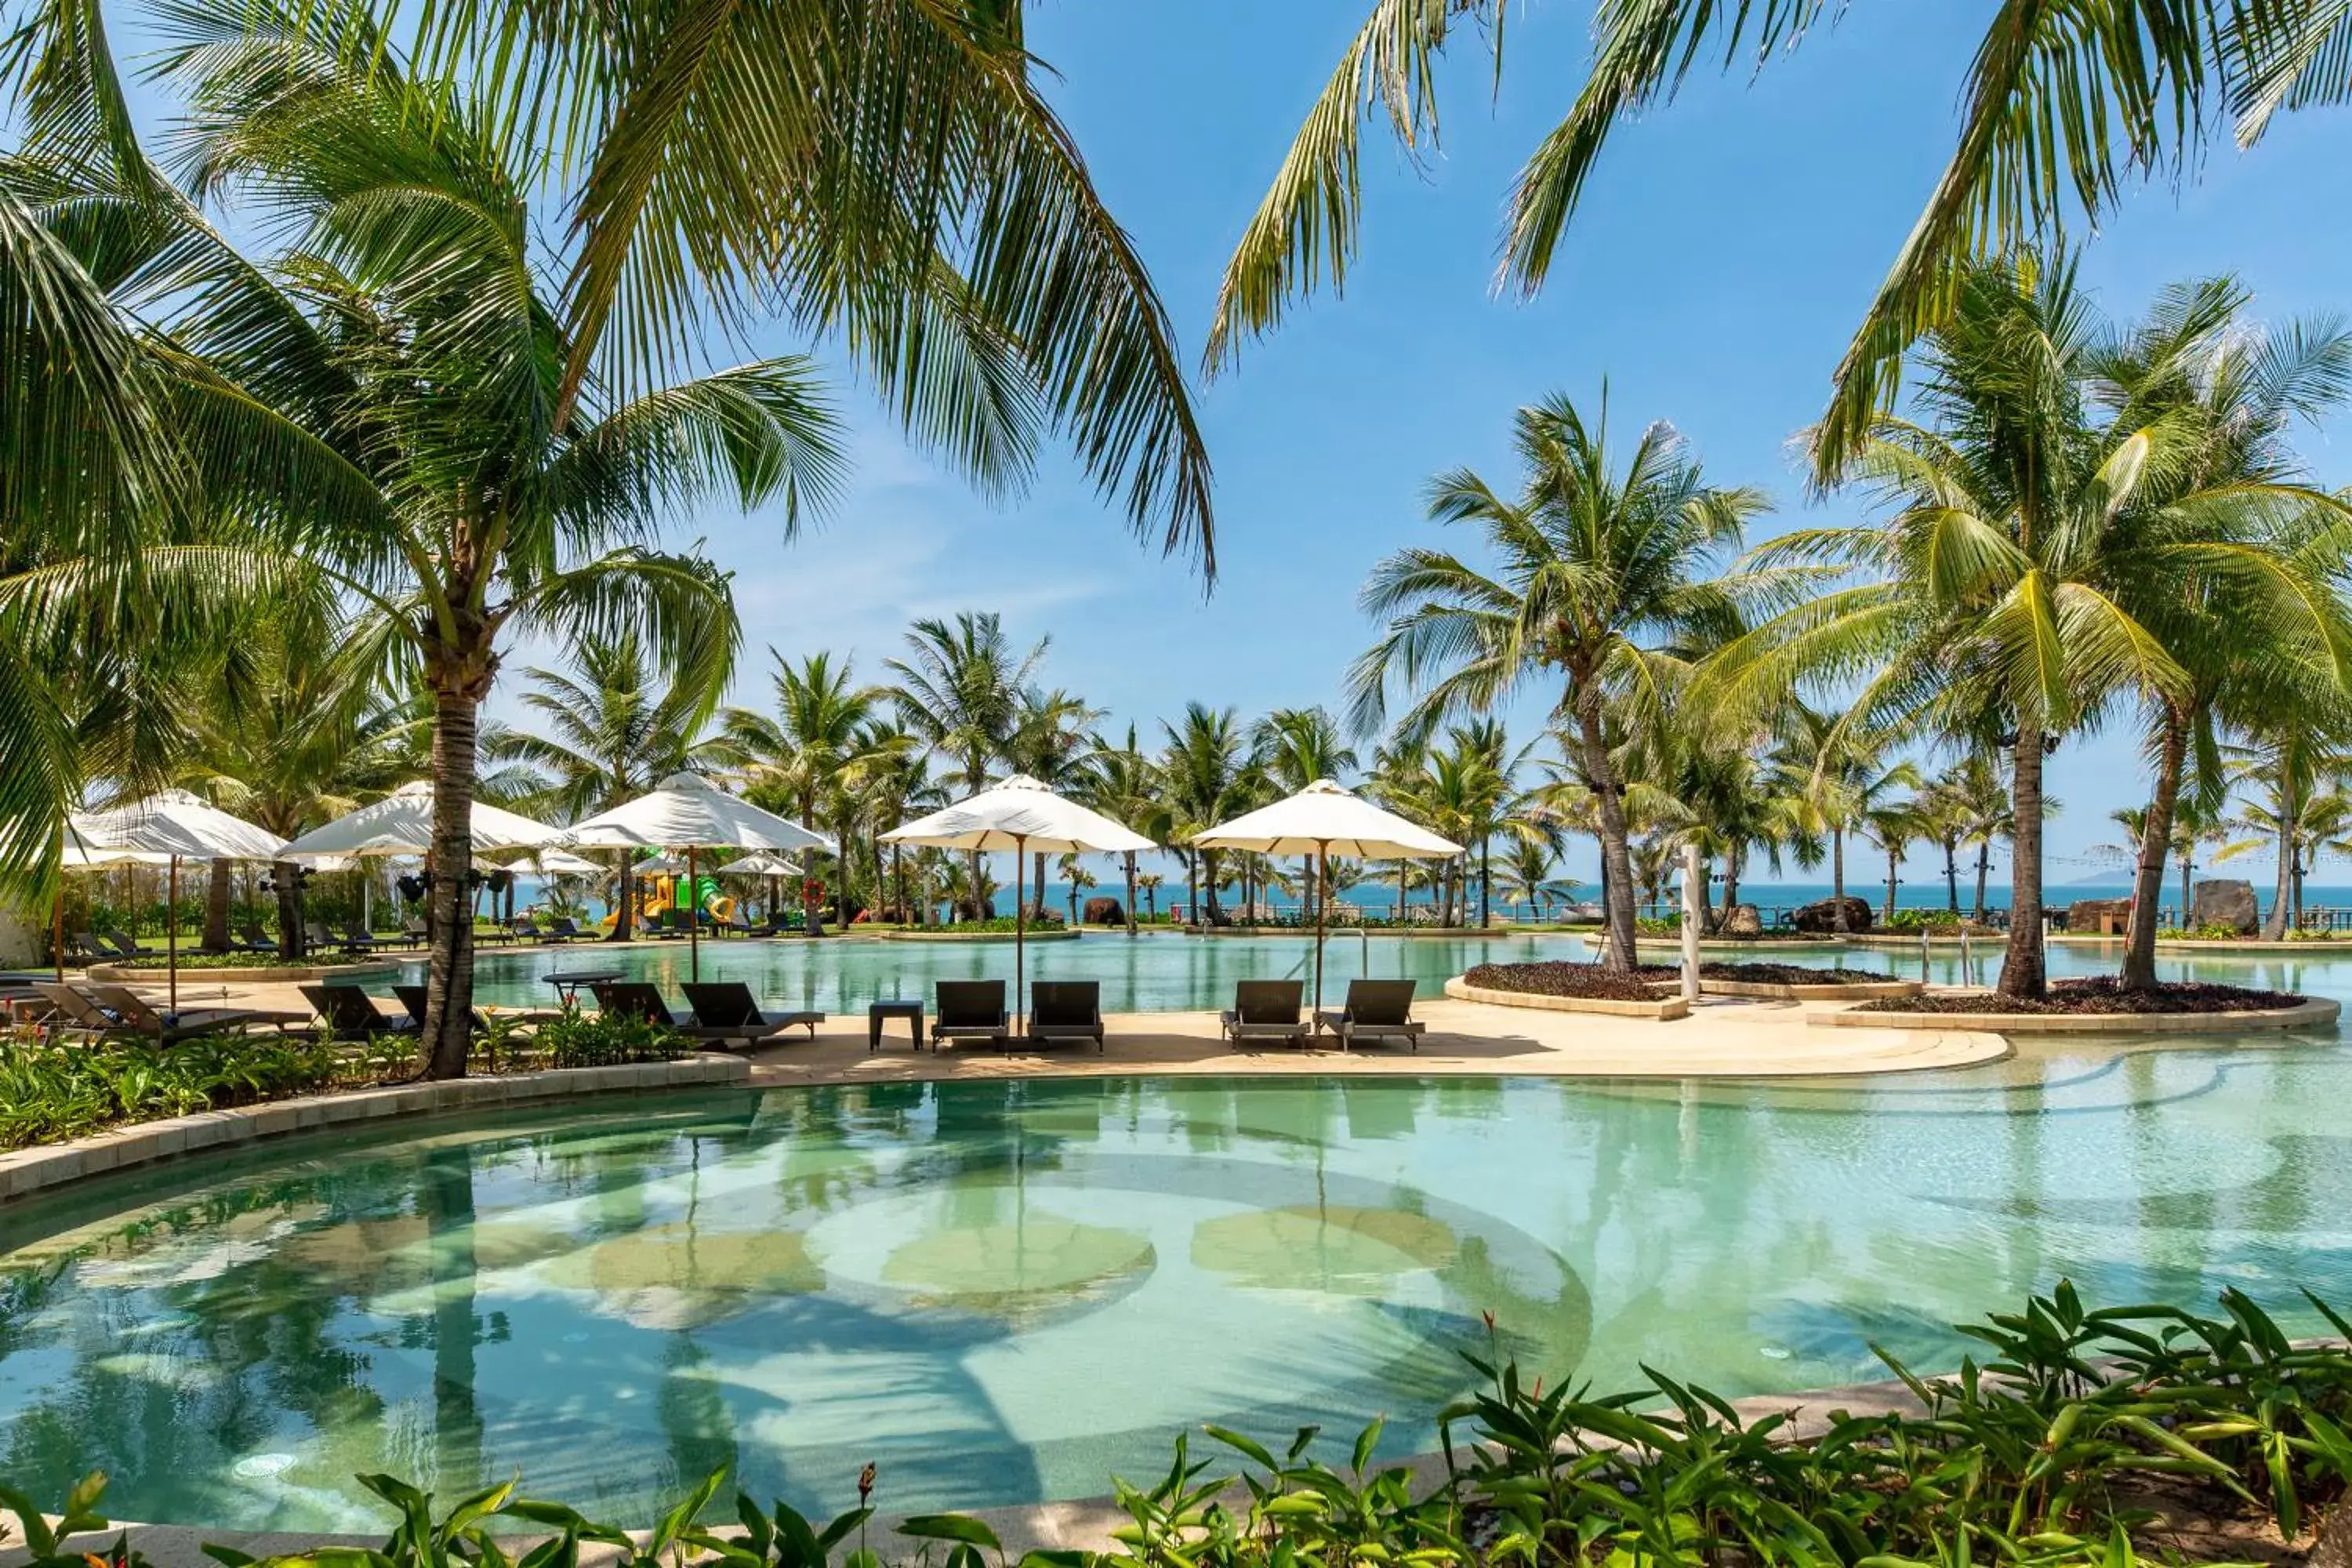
(2097,997)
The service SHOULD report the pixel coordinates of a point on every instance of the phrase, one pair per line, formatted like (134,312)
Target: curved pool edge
(1075,1524)
(25,1173)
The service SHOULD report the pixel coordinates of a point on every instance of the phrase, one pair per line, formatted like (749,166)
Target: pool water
(1148,972)
(1001,1291)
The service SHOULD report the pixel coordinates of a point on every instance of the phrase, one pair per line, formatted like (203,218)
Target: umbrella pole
(1020,921)
(172,932)
(693,920)
(1323,869)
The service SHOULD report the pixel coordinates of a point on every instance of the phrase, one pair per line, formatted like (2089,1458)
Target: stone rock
(2099,916)
(1814,919)
(1745,920)
(2226,901)
(1105,912)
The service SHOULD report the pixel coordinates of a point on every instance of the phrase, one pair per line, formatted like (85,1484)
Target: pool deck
(1724,1038)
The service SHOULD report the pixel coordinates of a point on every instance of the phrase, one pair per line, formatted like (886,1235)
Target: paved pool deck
(1723,1037)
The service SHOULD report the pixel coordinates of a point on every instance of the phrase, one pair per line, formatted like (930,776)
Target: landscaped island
(1562,978)
(2100,995)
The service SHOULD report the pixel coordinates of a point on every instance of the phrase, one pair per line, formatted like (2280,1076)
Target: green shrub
(998,925)
(580,1040)
(1922,919)
(2042,1456)
(51,1091)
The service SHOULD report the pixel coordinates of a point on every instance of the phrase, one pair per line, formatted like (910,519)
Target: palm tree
(465,454)
(1293,747)
(1601,574)
(1073,866)
(288,738)
(2235,554)
(1121,783)
(2058,98)
(1998,600)
(1837,781)
(1052,741)
(800,761)
(2294,775)
(1206,778)
(609,733)
(959,687)
(397,347)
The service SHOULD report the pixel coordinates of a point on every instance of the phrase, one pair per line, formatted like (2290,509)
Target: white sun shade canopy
(173,822)
(559,863)
(81,858)
(1325,818)
(1019,814)
(761,864)
(690,813)
(401,824)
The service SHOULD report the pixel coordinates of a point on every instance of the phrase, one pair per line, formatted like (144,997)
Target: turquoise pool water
(1001,1291)
(1163,970)
(1144,973)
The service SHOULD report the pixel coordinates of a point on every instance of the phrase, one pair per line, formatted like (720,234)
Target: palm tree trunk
(1129,865)
(2155,839)
(287,877)
(2024,971)
(1952,873)
(1837,880)
(1984,866)
(449,1001)
(1894,866)
(1732,857)
(624,902)
(1037,880)
(2283,891)
(216,896)
(1616,851)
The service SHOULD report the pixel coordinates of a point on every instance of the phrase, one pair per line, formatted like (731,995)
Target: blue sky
(1724,250)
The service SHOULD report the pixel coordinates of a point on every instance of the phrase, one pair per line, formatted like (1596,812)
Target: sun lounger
(72,1007)
(563,928)
(1066,1010)
(1375,1010)
(523,928)
(356,939)
(136,1013)
(970,1010)
(415,933)
(83,948)
(1265,1010)
(638,999)
(121,946)
(351,1012)
(253,939)
(728,1005)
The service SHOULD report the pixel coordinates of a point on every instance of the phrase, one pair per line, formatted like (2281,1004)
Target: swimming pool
(1161,971)
(1001,1291)
(1148,972)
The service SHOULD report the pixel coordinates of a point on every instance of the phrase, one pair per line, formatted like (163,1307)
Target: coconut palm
(2230,556)
(1837,780)
(2063,105)
(958,686)
(607,734)
(1053,742)
(1205,773)
(396,346)
(1121,783)
(1997,601)
(2293,779)
(1601,574)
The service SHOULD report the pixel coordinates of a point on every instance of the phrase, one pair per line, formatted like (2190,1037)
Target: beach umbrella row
(178,826)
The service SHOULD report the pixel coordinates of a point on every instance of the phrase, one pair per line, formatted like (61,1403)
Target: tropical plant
(1998,601)
(1206,776)
(2061,106)
(2292,778)
(610,731)
(1121,783)
(1836,780)
(1053,742)
(959,687)
(1601,574)
(801,759)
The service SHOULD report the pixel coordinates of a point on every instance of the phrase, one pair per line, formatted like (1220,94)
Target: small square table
(877,1012)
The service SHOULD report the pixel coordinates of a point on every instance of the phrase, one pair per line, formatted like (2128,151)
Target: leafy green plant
(579,1039)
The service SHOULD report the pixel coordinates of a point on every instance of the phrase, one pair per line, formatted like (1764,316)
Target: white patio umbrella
(1023,816)
(175,824)
(1316,821)
(691,814)
(401,824)
(561,863)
